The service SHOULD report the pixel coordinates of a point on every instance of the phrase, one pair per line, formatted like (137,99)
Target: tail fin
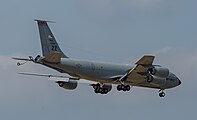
(48,42)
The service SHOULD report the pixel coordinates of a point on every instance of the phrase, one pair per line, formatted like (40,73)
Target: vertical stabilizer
(48,42)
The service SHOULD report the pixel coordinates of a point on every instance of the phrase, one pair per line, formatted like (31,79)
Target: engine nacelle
(70,85)
(159,71)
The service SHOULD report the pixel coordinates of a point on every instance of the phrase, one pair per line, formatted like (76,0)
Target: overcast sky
(116,31)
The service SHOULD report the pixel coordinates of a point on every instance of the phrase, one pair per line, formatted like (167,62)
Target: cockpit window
(170,79)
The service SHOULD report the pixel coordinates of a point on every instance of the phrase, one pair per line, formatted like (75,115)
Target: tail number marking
(54,48)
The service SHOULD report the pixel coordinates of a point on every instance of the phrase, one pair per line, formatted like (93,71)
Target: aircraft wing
(139,73)
(50,76)
(58,78)
(146,60)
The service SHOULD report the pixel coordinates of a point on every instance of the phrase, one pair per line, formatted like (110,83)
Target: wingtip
(149,56)
(146,59)
(43,21)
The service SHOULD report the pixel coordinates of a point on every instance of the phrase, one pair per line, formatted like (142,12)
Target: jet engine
(159,71)
(70,85)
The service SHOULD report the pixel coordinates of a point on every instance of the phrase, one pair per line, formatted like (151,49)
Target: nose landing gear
(161,93)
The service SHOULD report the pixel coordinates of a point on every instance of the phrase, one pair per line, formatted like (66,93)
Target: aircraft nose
(179,82)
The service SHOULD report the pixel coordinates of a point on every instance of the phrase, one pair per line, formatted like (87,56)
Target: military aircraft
(103,75)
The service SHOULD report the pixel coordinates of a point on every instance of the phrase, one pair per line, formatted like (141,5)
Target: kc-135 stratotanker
(101,75)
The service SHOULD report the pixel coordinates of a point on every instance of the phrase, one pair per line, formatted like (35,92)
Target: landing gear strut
(123,87)
(161,93)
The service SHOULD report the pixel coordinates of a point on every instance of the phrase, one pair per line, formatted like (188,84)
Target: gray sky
(118,31)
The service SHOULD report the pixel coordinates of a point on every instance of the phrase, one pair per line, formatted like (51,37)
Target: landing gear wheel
(119,87)
(96,91)
(161,94)
(100,89)
(123,87)
(105,90)
(102,92)
(96,86)
(127,87)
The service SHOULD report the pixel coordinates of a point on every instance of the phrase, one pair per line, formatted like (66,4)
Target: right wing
(59,78)
(50,76)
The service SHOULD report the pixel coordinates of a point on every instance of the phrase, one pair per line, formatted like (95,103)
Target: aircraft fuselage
(102,72)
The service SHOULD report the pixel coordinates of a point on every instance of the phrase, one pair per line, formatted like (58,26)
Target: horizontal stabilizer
(23,59)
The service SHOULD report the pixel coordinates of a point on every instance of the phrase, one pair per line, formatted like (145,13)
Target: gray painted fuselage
(108,73)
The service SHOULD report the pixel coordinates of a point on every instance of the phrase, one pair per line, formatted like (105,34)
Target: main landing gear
(161,93)
(123,87)
(98,88)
